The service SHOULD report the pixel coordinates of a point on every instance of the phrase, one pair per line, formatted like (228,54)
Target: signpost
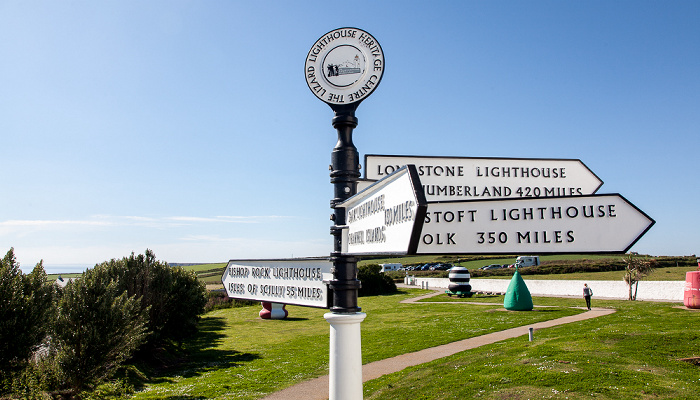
(298,281)
(342,68)
(477,206)
(474,178)
(385,218)
(582,224)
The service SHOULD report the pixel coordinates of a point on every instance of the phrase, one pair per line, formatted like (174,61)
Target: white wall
(648,290)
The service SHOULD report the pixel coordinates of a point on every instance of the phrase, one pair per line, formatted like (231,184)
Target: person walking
(587,293)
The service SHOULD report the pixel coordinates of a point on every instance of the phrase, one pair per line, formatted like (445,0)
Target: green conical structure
(518,297)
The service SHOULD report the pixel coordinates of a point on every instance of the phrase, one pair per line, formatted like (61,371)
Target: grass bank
(238,355)
(634,353)
(644,351)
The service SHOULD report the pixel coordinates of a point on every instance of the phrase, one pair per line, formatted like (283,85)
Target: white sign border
(327,276)
(315,73)
(421,208)
(365,180)
(652,222)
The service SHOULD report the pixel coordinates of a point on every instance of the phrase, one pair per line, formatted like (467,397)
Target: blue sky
(187,127)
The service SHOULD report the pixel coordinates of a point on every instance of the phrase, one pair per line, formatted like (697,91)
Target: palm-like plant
(636,269)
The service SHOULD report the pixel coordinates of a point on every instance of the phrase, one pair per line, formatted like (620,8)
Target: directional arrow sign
(582,224)
(298,281)
(468,178)
(385,218)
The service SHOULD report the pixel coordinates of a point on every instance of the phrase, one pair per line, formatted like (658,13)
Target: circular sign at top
(344,66)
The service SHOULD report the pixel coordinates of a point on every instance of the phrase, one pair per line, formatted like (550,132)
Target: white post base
(345,356)
(278,311)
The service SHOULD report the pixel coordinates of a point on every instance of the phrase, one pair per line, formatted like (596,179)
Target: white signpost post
(385,218)
(474,178)
(581,224)
(342,68)
(298,281)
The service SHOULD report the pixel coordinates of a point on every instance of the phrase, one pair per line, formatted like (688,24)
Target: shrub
(396,276)
(98,328)
(38,377)
(218,299)
(187,297)
(117,389)
(26,310)
(174,297)
(374,282)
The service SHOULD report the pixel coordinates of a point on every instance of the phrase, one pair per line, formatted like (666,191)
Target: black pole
(345,171)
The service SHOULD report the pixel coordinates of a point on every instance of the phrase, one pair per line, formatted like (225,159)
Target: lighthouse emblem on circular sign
(344,66)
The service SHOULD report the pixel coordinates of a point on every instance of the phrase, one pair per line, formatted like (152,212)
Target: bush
(99,326)
(117,389)
(174,297)
(374,282)
(678,261)
(396,276)
(218,299)
(80,336)
(185,305)
(26,313)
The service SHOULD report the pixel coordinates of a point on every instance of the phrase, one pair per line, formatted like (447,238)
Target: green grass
(238,355)
(631,354)
(205,268)
(53,277)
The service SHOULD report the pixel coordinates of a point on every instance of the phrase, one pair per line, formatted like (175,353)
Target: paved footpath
(317,389)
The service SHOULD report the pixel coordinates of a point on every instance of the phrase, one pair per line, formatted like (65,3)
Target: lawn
(634,353)
(238,355)
(645,350)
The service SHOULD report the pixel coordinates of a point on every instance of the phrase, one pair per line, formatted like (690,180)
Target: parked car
(391,267)
(527,261)
(440,267)
(492,266)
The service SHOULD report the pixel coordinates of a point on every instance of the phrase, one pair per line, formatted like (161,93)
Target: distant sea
(79,268)
(60,268)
